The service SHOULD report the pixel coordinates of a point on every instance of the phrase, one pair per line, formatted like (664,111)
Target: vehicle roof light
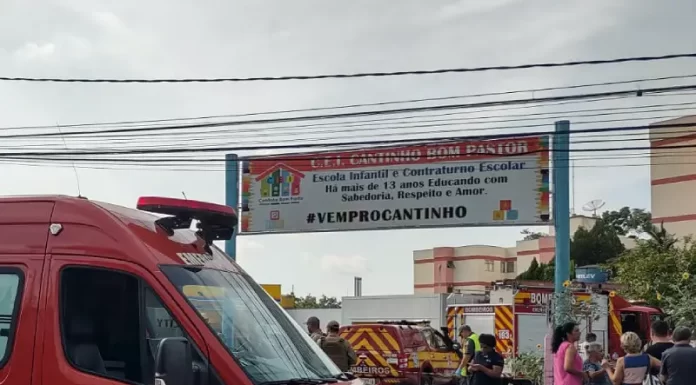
(215,222)
(174,206)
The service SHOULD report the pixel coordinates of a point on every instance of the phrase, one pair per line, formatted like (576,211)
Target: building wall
(423,271)
(472,268)
(673,175)
(325,315)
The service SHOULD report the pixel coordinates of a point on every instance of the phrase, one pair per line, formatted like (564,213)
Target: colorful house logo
(280,181)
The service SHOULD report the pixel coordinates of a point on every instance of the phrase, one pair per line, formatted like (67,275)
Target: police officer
(337,348)
(470,345)
(314,328)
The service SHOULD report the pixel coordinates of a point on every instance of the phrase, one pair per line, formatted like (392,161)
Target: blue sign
(591,274)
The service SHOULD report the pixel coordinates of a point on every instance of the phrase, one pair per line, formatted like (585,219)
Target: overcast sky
(213,38)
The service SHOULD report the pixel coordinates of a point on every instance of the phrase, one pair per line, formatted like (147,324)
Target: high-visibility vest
(477,347)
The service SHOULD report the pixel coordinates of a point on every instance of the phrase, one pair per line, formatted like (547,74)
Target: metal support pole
(232,198)
(561,202)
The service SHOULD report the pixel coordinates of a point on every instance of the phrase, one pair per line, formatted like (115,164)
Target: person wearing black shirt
(487,364)
(659,336)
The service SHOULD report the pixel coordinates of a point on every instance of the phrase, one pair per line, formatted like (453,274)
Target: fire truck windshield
(261,336)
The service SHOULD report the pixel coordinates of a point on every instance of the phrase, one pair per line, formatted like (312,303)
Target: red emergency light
(215,222)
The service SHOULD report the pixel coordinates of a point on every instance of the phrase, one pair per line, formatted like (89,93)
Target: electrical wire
(167,167)
(508,102)
(160,137)
(362,74)
(376,124)
(400,142)
(373,130)
(432,133)
(362,105)
(660,152)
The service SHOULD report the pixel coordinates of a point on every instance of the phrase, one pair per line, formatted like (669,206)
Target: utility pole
(561,209)
(232,198)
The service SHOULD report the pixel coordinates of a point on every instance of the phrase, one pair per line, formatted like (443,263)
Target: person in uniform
(470,345)
(337,348)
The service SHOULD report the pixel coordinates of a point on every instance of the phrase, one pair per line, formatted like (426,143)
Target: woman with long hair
(635,366)
(567,363)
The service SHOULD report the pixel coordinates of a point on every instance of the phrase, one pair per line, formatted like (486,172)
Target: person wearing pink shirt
(567,363)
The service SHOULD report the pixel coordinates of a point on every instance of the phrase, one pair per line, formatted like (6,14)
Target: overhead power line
(218,169)
(362,105)
(433,130)
(373,127)
(323,145)
(360,74)
(443,107)
(188,164)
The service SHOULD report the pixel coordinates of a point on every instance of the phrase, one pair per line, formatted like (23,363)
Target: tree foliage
(588,247)
(543,271)
(530,235)
(528,365)
(660,239)
(654,271)
(312,302)
(627,221)
(595,246)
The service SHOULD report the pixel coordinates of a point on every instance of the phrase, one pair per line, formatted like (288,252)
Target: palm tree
(660,238)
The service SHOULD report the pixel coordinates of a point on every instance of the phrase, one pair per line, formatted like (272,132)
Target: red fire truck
(93,293)
(520,322)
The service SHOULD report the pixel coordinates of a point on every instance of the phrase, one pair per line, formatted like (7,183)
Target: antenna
(77,177)
(184,194)
(593,206)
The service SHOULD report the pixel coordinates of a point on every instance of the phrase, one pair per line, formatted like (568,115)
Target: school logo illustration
(280,181)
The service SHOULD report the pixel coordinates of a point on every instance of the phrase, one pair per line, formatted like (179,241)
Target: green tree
(312,302)
(588,247)
(329,302)
(660,239)
(532,272)
(627,221)
(543,271)
(307,302)
(530,235)
(655,274)
(595,246)
(681,306)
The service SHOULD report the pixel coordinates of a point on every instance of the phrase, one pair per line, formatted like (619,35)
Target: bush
(529,366)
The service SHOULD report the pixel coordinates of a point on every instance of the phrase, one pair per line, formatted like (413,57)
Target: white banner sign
(469,183)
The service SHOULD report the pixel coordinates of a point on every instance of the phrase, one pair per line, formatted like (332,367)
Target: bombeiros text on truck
(101,294)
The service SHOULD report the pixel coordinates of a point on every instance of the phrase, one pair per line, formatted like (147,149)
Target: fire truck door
(530,333)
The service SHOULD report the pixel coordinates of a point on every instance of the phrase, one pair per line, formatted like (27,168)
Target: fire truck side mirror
(174,362)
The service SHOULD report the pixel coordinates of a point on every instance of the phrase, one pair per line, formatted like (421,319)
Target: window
(434,339)
(257,332)
(9,309)
(112,324)
(507,266)
(100,323)
(490,266)
(418,341)
(160,323)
